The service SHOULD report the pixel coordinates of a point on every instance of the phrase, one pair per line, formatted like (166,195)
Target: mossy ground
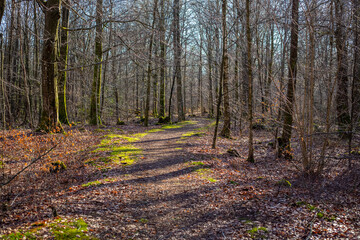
(178,125)
(124,154)
(116,152)
(192,134)
(155,130)
(258,232)
(98,182)
(59,229)
(114,138)
(204,172)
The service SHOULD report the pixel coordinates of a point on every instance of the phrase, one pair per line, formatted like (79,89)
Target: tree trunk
(162,59)
(155,83)
(96,86)
(210,62)
(249,75)
(225,132)
(148,85)
(200,97)
(63,62)
(177,60)
(284,141)
(342,104)
(356,75)
(50,115)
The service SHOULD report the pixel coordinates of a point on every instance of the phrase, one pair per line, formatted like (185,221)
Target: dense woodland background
(283,65)
(182,119)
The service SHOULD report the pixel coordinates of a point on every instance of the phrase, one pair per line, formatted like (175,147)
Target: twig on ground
(311,226)
(34,160)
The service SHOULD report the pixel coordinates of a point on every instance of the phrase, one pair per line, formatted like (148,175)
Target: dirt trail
(155,197)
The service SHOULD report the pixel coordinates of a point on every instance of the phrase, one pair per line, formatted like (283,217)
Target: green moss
(192,134)
(143,220)
(140,135)
(301,203)
(212,124)
(311,207)
(123,154)
(129,138)
(202,171)
(70,230)
(126,154)
(257,232)
(320,215)
(171,126)
(101,149)
(19,236)
(59,229)
(105,142)
(178,148)
(198,163)
(89,184)
(178,125)
(99,130)
(155,130)
(210,179)
(283,183)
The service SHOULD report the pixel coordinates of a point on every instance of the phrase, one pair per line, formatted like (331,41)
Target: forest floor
(165,182)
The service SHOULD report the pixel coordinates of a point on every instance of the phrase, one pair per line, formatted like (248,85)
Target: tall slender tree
(64,49)
(149,69)
(177,60)
(250,80)
(96,85)
(162,59)
(284,141)
(356,75)
(225,132)
(342,98)
(50,114)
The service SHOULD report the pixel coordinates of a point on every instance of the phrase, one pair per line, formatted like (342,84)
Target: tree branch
(31,163)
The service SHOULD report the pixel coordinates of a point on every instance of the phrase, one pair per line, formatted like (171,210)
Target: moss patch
(99,182)
(124,154)
(178,125)
(258,232)
(155,130)
(171,126)
(76,229)
(192,134)
(204,173)
(89,184)
(115,152)
(59,229)
(111,138)
(197,163)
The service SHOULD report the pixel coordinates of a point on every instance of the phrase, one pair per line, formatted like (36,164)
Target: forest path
(157,197)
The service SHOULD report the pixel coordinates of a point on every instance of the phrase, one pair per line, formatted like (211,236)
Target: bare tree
(249,75)
(225,132)
(95,117)
(50,114)
(177,59)
(284,141)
